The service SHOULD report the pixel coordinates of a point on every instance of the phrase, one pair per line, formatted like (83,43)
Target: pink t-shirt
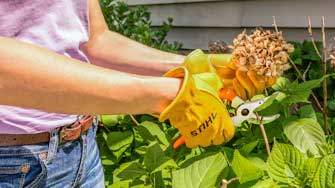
(58,25)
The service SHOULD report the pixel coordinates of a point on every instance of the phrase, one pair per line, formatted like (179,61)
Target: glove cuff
(179,72)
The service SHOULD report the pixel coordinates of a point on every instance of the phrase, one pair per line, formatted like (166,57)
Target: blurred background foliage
(135,23)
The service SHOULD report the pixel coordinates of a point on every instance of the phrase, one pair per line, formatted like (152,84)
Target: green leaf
(267,103)
(111,120)
(245,169)
(297,50)
(305,134)
(307,111)
(119,153)
(271,110)
(270,107)
(168,164)
(300,92)
(267,183)
(118,140)
(306,85)
(247,148)
(309,53)
(281,84)
(106,155)
(107,161)
(286,164)
(130,170)
(315,71)
(141,150)
(158,180)
(331,104)
(153,132)
(258,162)
(311,168)
(201,174)
(325,175)
(297,61)
(155,159)
(141,186)
(120,184)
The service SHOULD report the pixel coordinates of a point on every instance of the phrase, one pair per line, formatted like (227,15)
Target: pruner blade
(246,112)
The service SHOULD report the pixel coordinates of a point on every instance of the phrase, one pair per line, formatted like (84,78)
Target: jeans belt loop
(53,145)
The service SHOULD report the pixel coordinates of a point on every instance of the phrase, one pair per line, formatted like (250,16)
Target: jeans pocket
(25,170)
(13,176)
(37,177)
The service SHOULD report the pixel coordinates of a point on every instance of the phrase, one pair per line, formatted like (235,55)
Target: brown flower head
(263,51)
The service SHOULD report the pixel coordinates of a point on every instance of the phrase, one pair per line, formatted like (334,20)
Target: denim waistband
(49,147)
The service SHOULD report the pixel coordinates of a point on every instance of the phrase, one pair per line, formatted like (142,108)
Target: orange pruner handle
(179,142)
(227,93)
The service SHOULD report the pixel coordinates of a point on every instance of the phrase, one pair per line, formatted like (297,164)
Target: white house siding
(198,21)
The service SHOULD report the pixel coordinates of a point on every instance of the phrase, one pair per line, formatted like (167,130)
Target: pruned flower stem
(265,137)
(323,58)
(324,84)
(310,32)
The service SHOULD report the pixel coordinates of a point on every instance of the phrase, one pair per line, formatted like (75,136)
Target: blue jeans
(73,164)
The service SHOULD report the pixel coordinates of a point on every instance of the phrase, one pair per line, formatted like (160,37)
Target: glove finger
(203,140)
(228,131)
(225,72)
(196,62)
(218,138)
(233,65)
(190,143)
(258,81)
(219,59)
(240,91)
(227,82)
(245,82)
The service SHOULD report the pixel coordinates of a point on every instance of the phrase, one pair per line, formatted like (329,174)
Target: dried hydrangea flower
(263,51)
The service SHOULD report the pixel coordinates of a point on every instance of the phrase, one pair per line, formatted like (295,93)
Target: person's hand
(246,83)
(197,111)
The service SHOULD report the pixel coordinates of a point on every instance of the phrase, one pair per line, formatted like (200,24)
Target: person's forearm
(112,50)
(38,78)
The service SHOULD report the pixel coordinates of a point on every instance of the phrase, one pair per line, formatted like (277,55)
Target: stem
(225,183)
(275,24)
(324,84)
(134,120)
(304,80)
(310,32)
(266,141)
(306,71)
(296,69)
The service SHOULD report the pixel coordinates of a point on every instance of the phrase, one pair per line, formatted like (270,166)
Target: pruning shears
(244,111)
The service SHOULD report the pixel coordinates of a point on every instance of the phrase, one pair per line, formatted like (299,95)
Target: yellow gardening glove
(197,111)
(246,83)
